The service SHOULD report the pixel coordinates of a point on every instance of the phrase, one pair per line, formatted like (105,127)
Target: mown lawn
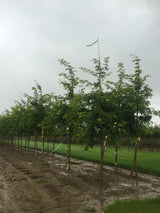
(135,206)
(147,162)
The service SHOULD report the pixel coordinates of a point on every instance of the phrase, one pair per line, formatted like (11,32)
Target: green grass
(89,209)
(135,206)
(147,162)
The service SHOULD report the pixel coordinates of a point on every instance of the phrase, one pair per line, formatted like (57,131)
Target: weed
(90,209)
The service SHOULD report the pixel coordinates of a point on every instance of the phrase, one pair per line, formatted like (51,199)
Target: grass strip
(147,162)
(135,206)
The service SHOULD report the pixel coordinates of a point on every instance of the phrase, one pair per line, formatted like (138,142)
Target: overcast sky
(34,34)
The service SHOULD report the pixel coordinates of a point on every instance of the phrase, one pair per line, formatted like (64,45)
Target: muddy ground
(36,184)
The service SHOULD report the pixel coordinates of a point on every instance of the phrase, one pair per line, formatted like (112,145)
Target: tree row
(96,110)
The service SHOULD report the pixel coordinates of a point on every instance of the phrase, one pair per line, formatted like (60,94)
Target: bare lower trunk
(48,146)
(25,143)
(101,162)
(42,134)
(68,152)
(53,145)
(12,142)
(28,144)
(21,142)
(134,164)
(116,159)
(34,146)
(18,143)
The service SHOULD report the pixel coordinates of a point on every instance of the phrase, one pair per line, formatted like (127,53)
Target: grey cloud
(35,34)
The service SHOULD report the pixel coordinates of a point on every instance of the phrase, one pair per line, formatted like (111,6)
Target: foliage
(69,82)
(137,109)
(101,108)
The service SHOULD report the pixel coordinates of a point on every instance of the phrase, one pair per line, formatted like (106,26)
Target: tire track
(19,194)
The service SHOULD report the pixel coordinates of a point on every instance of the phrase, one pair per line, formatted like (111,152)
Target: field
(32,182)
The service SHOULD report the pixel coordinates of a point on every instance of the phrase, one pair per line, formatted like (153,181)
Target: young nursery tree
(37,104)
(99,114)
(118,93)
(137,110)
(55,118)
(70,82)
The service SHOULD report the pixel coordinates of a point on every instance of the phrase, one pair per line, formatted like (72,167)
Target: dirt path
(29,183)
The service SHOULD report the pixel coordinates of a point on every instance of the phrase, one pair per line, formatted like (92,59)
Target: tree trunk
(54,140)
(48,143)
(17,142)
(21,142)
(28,143)
(116,159)
(34,147)
(42,134)
(134,164)
(12,142)
(25,143)
(101,162)
(68,152)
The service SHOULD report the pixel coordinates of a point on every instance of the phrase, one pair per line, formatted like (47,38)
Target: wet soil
(38,183)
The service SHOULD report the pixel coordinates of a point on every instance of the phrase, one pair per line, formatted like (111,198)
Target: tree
(118,93)
(55,118)
(137,110)
(69,82)
(98,117)
(36,105)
